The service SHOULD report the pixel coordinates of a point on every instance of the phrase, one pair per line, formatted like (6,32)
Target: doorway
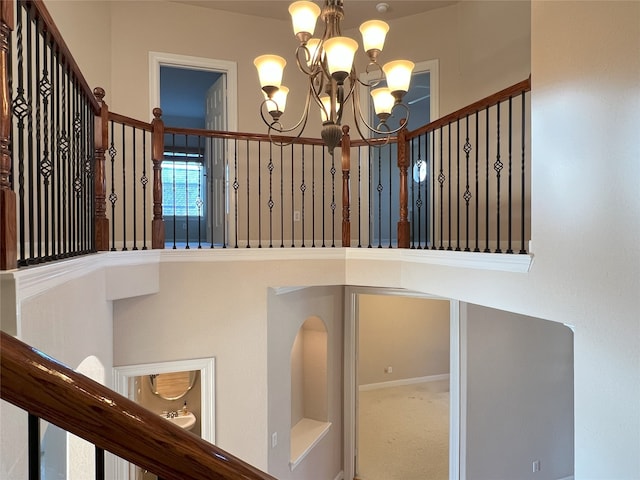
(200,93)
(127,380)
(420,334)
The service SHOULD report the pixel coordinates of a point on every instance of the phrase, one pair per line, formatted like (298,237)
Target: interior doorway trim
(351,365)
(230,69)
(206,366)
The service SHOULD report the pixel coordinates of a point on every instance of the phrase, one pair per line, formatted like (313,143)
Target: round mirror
(172,386)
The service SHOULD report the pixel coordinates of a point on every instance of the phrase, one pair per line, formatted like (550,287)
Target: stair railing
(46,389)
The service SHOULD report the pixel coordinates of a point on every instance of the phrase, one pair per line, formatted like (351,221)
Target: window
(183,183)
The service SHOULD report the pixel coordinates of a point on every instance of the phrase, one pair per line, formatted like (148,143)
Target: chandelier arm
(357,114)
(275,121)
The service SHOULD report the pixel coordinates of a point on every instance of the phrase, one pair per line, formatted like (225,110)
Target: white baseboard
(404,381)
(340,476)
(570,477)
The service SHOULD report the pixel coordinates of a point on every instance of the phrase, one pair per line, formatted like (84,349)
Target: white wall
(69,323)
(518,373)
(286,314)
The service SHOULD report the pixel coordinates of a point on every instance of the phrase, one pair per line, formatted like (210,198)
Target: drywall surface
(519,395)
(411,335)
(286,314)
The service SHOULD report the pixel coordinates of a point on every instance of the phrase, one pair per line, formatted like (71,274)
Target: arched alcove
(309,396)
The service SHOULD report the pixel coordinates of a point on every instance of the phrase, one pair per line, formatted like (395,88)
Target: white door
(215,159)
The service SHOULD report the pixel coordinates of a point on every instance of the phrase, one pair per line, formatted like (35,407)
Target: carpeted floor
(404,432)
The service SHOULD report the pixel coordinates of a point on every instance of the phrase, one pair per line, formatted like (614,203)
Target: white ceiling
(356,11)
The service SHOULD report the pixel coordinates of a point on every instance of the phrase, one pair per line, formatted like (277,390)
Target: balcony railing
(76,178)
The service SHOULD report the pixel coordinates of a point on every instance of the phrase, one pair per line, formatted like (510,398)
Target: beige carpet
(404,432)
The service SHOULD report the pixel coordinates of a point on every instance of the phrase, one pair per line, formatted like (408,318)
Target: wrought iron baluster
(359,150)
(186,191)
(390,195)
(144,180)
(433,235)
(124,188)
(370,213)
(467,192)
(303,187)
(281,197)
(199,202)
(486,205)
(449,186)
(248,195)
(313,197)
(411,170)
(99,463)
(270,203)
(509,199)
(236,185)
(477,141)
(324,202)
(497,166)
(31,174)
(20,109)
(259,194)
(333,200)
(292,199)
(380,188)
(113,197)
(441,179)
(33,426)
(523,196)
(134,180)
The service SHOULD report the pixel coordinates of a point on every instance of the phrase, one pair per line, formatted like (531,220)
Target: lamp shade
(398,75)
(383,101)
(303,17)
(270,68)
(340,52)
(373,34)
(278,100)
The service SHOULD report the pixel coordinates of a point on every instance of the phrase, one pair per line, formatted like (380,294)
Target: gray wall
(519,395)
(409,334)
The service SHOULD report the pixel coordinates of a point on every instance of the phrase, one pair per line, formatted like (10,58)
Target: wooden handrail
(34,382)
(491,100)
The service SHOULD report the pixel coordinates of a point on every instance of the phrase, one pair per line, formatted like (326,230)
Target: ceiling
(356,11)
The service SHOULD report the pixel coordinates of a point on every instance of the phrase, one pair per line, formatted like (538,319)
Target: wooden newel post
(157,224)
(99,178)
(346,196)
(8,227)
(403,166)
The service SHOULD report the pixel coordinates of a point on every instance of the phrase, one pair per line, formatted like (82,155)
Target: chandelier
(332,78)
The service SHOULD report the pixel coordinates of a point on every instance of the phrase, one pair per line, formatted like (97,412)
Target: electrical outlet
(274,439)
(536,466)
(388,369)
(296,216)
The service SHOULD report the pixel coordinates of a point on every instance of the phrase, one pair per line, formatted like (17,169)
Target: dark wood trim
(8,220)
(100,186)
(243,136)
(157,154)
(491,100)
(346,195)
(43,387)
(403,166)
(130,122)
(65,54)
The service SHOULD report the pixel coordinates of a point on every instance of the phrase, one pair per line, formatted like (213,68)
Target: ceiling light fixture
(332,78)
